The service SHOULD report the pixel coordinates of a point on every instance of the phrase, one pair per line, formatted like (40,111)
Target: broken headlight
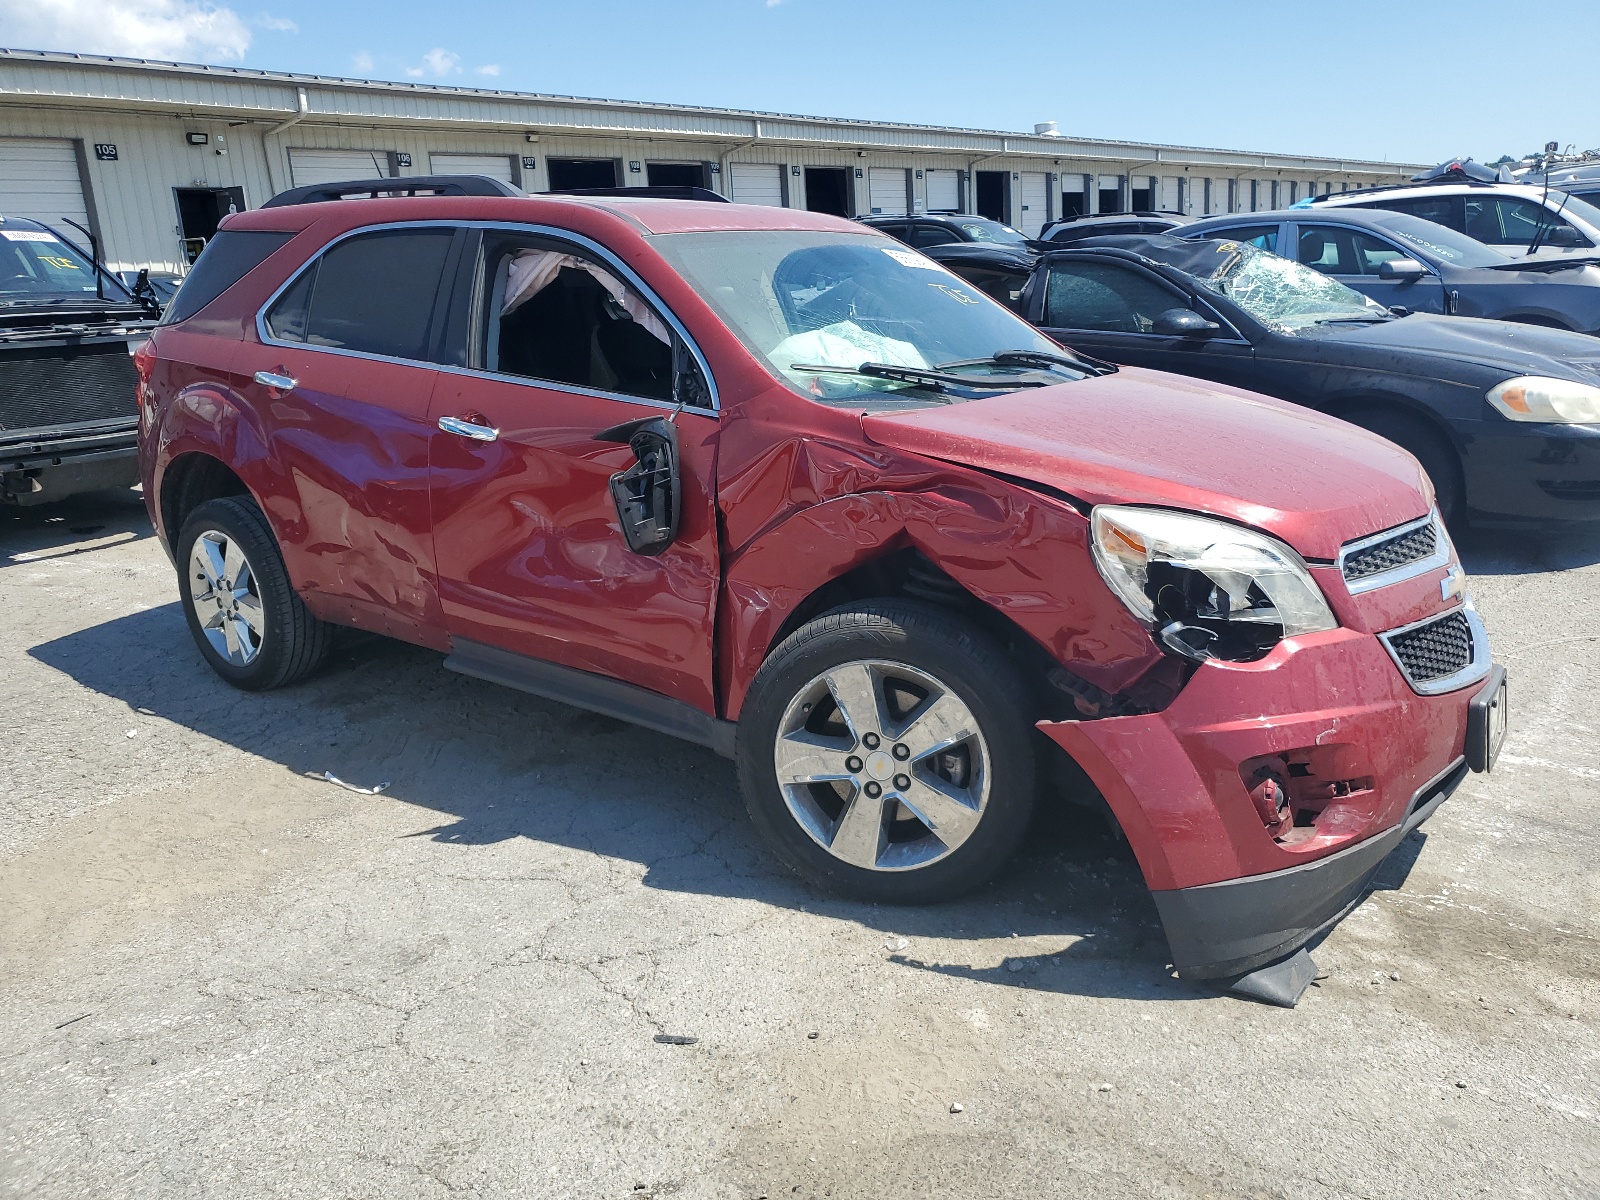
(1535,398)
(1206,588)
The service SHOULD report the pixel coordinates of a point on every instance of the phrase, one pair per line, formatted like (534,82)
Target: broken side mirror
(1401,270)
(1563,235)
(647,494)
(144,292)
(1185,323)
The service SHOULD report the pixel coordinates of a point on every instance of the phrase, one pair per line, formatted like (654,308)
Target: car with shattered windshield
(1404,262)
(1504,417)
(775,483)
(68,420)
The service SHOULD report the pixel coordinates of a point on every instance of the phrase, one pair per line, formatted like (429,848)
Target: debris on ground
(330,777)
(955,1108)
(676,1039)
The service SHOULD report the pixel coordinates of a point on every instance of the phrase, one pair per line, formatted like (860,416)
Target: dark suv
(944,229)
(775,483)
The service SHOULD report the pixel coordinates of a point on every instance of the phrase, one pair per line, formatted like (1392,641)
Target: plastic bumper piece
(1223,929)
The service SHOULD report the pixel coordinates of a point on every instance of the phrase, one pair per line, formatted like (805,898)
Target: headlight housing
(1206,588)
(1537,398)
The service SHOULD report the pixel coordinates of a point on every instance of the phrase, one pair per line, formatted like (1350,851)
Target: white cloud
(488,69)
(441,62)
(183,29)
(276,24)
(361,61)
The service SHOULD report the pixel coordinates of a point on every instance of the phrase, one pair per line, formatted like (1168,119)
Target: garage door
(336,166)
(756,183)
(944,191)
(1169,194)
(1035,202)
(39,179)
(886,190)
(496,166)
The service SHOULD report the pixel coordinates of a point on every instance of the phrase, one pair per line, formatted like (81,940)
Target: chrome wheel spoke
(208,557)
(938,723)
(946,810)
(859,836)
(808,758)
(233,563)
(855,689)
(230,634)
(249,612)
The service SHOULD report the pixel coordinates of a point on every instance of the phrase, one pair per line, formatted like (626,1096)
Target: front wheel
(885,753)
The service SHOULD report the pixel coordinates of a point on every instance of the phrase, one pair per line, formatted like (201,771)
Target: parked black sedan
(946,229)
(1399,259)
(1067,230)
(1505,418)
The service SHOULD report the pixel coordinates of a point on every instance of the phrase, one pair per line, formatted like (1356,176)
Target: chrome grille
(1400,550)
(1441,654)
(1404,552)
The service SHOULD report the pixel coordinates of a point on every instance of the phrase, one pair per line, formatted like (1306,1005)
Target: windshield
(1282,295)
(1442,242)
(802,299)
(37,265)
(981,230)
(1580,208)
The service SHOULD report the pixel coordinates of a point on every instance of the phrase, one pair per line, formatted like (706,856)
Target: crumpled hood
(1508,345)
(1145,437)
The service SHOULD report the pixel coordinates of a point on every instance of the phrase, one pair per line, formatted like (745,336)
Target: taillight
(144,362)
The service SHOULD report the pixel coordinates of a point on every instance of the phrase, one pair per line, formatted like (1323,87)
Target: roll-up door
(39,180)
(944,191)
(1035,202)
(886,190)
(336,166)
(756,183)
(1169,194)
(496,166)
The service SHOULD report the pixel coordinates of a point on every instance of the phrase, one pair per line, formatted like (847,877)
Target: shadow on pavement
(497,765)
(76,525)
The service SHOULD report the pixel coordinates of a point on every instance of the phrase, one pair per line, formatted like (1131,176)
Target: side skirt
(597,693)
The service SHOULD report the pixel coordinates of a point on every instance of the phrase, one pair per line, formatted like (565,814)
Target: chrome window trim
(1442,553)
(595,249)
(1476,668)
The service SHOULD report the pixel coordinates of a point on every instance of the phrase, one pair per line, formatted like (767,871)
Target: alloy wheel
(226,597)
(882,765)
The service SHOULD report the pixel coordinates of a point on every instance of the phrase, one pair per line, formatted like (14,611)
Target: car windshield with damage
(36,265)
(1282,295)
(982,230)
(859,318)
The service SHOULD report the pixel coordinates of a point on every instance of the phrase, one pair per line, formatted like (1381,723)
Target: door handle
(478,433)
(280,383)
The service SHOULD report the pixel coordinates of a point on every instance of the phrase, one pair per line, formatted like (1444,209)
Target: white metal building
(150,155)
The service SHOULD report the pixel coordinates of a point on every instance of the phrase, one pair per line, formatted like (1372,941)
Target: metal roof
(192,89)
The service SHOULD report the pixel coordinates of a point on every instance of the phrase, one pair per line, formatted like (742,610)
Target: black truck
(69,416)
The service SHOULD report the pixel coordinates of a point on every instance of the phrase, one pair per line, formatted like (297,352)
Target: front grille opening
(1399,551)
(1436,650)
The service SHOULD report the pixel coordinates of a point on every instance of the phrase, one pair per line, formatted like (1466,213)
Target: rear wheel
(885,753)
(247,620)
(1429,447)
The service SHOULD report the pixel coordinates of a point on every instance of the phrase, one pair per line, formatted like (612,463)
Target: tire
(256,636)
(931,679)
(1430,448)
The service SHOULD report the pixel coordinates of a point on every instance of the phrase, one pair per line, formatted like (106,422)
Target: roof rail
(404,185)
(659,192)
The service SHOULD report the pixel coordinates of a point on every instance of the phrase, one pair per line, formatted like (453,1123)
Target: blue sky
(1417,80)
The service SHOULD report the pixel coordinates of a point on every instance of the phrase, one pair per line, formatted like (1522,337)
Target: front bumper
(1371,757)
(1531,472)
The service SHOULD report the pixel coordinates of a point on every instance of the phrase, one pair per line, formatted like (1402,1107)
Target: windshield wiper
(1034,358)
(935,380)
(1370,319)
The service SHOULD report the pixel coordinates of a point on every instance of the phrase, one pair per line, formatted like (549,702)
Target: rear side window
(227,258)
(1262,237)
(374,293)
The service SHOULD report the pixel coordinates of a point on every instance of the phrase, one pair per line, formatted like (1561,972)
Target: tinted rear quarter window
(227,258)
(374,293)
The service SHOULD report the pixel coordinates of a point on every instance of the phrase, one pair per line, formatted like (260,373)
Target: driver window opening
(561,317)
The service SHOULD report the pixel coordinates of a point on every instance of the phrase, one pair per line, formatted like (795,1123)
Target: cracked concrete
(225,979)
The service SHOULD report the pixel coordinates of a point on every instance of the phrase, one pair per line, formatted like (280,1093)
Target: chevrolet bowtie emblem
(1454,585)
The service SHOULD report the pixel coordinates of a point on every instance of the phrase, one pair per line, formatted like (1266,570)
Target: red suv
(778,484)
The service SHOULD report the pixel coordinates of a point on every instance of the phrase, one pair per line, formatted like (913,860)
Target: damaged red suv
(775,483)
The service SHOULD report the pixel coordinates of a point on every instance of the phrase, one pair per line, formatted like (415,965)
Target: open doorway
(828,190)
(994,195)
(675,174)
(200,211)
(569,173)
